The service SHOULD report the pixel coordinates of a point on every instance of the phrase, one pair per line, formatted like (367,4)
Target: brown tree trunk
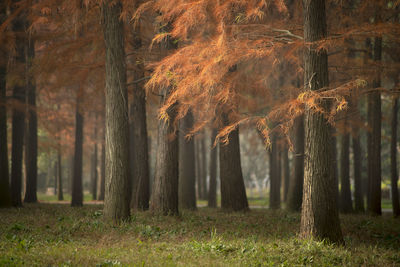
(187,171)
(5,194)
(164,198)
(285,172)
(117,192)
(18,116)
(212,191)
(204,166)
(31,145)
(60,195)
(233,192)
(77,190)
(94,170)
(374,140)
(102,172)
(319,216)
(275,176)
(295,194)
(346,204)
(393,160)
(198,164)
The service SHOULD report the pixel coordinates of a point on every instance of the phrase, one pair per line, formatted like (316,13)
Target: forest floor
(59,235)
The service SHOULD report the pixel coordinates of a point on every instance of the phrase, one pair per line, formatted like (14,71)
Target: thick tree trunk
(117,192)
(374,140)
(164,198)
(18,116)
(212,191)
(319,216)
(102,172)
(346,204)
(285,172)
(77,190)
(31,146)
(187,171)
(60,194)
(275,176)
(5,195)
(295,194)
(393,160)
(233,192)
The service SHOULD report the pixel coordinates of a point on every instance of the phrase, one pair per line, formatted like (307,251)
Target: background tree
(212,191)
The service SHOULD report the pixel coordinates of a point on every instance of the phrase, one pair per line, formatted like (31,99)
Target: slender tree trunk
(295,194)
(285,172)
(60,195)
(117,193)
(212,191)
(233,192)
(346,205)
(164,199)
(31,145)
(94,170)
(5,194)
(319,216)
(374,140)
(102,172)
(18,116)
(77,190)
(203,166)
(187,171)
(275,176)
(393,160)
(55,172)
(199,174)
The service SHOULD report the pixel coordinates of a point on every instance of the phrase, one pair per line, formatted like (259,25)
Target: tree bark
(233,192)
(60,194)
(5,194)
(31,146)
(198,164)
(295,194)
(94,169)
(204,166)
(346,205)
(393,160)
(187,171)
(285,172)
(212,191)
(77,190)
(117,188)
(374,140)
(319,216)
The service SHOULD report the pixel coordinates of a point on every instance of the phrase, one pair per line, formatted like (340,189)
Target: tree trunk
(374,140)
(117,192)
(55,177)
(94,170)
(275,176)
(233,192)
(346,205)
(285,172)
(198,164)
(18,116)
(60,195)
(357,167)
(31,146)
(212,191)
(77,190)
(102,172)
(393,160)
(5,195)
(164,199)
(187,172)
(203,166)
(140,153)
(319,216)
(295,194)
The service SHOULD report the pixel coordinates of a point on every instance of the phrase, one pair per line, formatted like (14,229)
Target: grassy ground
(58,235)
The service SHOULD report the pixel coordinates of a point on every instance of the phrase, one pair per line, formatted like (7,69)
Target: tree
(5,196)
(285,172)
(60,195)
(319,216)
(187,171)
(393,158)
(77,190)
(94,166)
(346,204)
(102,171)
(117,184)
(275,175)
(212,190)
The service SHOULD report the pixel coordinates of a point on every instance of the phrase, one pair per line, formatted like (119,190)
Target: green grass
(58,235)
(67,197)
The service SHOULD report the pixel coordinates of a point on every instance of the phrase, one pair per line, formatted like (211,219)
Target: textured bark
(102,172)
(117,188)
(187,172)
(5,195)
(346,204)
(295,194)
(77,190)
(18,116)
(140,153)
(233,192)
(285,172)
(164,199)
(212,191)
(319,216)
(393,160)
(374,140)
(60,195)
(275,176)
(31,146)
